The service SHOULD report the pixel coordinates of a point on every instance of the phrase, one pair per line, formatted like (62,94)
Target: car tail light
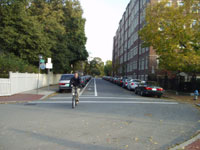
(160,89)
(61,83)
(148,88)
(132,83)
(126,83)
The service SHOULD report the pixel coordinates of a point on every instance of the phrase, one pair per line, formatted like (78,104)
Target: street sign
(49,60)
(49,65)
(42,61)
(42,66)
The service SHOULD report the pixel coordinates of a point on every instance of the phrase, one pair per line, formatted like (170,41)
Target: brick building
(129,57)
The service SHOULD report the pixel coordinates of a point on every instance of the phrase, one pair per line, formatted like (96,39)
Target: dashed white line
(95,88)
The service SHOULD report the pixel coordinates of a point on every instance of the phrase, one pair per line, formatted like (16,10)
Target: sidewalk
(32,95)
(182,98)
(192,144)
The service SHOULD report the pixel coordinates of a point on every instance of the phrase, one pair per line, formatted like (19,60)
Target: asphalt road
(107,118)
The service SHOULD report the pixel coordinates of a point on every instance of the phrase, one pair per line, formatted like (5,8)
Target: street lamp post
(40,57)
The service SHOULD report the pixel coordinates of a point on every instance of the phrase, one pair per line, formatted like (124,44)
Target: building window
(143,65)
(146,62)
(146,77)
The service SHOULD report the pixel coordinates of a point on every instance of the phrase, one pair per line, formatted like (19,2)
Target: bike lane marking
(95,88)
(85,87)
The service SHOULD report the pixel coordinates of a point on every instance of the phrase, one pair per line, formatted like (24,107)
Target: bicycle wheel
(73,102)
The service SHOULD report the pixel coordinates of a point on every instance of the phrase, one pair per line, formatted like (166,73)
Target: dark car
(88,78)
(64,83)
(119,81)
(83,81)
(149,89)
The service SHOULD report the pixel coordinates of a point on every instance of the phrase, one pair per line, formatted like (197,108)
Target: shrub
(10,62)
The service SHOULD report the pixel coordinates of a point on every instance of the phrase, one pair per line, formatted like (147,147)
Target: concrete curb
(198,105)
(183,145)
(48,96)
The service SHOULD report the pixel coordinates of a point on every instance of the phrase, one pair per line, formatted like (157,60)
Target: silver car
(64,83)
(133,83)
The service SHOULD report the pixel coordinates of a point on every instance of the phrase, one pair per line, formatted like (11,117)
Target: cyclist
(75,83)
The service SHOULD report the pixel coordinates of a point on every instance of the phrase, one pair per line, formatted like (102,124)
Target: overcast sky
(103,18)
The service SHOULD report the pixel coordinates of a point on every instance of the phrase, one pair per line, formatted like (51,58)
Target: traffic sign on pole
(49,65)
(42,66)
(42,61)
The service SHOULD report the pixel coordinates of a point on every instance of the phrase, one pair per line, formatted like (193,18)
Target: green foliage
(96,67)
(169,30)
(75,30)
(13,63)
(51,28)
(20,33)
(108,68)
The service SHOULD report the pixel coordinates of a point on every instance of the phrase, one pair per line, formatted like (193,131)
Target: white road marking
(85,87)
(92,97)
(95,88)
(104,102)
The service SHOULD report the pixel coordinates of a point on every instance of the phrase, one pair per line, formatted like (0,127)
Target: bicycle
(74,95)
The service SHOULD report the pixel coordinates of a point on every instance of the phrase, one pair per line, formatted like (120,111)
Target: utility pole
(49,66)
(38,81)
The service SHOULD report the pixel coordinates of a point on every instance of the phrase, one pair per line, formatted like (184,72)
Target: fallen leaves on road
(126,146)
(108,140)
(136,139)
(148,115)
(151,140)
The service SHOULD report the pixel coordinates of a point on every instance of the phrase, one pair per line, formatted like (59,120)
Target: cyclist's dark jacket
(75,81)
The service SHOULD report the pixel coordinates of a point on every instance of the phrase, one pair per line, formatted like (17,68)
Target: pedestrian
(196,94)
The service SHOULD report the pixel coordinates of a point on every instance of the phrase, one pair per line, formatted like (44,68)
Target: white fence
(21,82)
(5,87)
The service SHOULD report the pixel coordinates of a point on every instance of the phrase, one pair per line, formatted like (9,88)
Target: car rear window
(136,80)
(66,77)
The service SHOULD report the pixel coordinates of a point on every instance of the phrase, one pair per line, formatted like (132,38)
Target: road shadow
(62,142)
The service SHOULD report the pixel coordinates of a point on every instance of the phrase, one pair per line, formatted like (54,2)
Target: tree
(174,33)
(20,33)
(75,31)
(53,28)
(97,67)
(108,68)
(51,17)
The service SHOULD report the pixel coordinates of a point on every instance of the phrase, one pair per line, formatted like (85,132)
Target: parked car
(83,81)
(115,80)
(88,78)
(150,89)
(64,83)
(133,83)
(125,83)
(119,81)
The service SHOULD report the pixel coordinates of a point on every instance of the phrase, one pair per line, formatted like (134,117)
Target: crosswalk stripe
(91,97)
(104,102)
